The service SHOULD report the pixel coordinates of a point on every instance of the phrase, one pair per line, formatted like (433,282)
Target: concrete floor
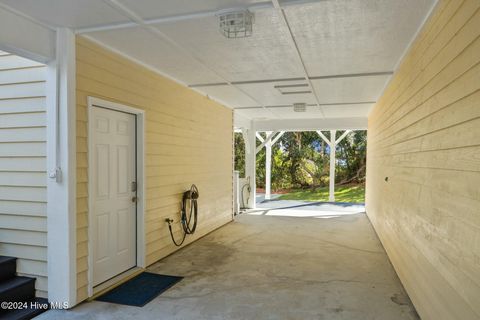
(260,197)
(318,261)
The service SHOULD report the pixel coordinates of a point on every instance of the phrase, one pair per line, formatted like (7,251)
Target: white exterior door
(113,202)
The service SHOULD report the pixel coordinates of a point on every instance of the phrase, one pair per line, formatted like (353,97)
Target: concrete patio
(307,261)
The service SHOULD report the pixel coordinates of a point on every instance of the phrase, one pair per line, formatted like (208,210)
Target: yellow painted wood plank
(188,140)
(440,73)
(424,136)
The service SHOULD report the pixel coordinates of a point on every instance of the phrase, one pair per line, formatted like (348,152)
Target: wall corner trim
(61,152)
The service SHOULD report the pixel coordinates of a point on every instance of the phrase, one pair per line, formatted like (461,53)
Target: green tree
(352,158)
(239,152)
(301,160)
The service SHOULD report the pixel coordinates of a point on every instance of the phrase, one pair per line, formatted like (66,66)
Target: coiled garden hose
(189,203)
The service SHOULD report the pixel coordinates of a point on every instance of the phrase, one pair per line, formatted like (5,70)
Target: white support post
(259,137)
(268,167)
(267,139)
(61,163)
(332,143)
(274,140)
(268,142)
(320,133)
(333,146)
(250,166)
(342,136)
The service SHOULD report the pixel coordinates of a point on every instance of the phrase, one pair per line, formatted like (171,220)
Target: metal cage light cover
(237,24)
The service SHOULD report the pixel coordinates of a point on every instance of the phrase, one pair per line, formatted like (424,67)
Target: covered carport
(192,72)
(295,261)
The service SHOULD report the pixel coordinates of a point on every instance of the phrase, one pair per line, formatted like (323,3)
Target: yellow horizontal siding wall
(23,178)
(188,140)
(424,135)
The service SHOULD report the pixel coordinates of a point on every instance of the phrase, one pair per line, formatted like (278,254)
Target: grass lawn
(342,194)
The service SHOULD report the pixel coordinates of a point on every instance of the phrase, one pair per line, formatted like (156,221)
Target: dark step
(17,289)
(8,266)
(34,308)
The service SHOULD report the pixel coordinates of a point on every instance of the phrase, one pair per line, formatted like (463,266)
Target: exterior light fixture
(237,24)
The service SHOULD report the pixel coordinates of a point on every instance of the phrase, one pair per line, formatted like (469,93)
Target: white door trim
(140,163)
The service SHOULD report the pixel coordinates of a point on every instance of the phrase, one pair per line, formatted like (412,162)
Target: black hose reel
(188,215)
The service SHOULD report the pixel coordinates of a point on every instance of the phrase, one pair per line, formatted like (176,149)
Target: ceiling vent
(297,88)
(299,107)
(237,24)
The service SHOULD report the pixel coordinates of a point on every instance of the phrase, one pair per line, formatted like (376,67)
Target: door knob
(134,199)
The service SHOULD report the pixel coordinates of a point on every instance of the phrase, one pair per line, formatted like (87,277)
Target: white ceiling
(349,48)
(149,9)
(68,13)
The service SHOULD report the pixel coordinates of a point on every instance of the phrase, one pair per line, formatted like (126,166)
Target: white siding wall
(23,192)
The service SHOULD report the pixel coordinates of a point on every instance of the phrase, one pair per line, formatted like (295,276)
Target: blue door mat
(140,290)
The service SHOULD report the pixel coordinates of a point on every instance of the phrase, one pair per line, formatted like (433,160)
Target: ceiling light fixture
(237,24)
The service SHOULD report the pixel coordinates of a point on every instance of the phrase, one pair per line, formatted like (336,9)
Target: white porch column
(61,164)
(250,165)
(332,143)
(333,146)
(268,166)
